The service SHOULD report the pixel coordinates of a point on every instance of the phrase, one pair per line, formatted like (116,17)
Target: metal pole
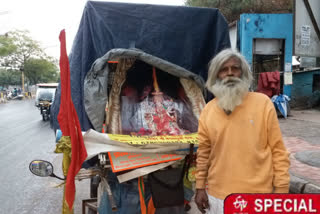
(22,80)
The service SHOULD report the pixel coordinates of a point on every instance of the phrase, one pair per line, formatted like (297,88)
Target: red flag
(69,123)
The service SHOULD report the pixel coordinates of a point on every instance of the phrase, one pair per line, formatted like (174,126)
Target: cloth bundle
(269,83)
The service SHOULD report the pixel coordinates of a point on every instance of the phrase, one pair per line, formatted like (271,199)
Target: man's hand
(202,200)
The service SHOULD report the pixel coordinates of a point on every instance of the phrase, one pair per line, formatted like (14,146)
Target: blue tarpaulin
(185,36)
(281,103)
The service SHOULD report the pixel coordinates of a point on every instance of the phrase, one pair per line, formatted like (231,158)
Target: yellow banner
(139,140)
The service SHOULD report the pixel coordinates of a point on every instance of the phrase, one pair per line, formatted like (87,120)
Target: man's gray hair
(222,57)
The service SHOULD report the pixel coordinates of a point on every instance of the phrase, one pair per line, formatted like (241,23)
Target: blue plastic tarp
(281,103)
(185,36)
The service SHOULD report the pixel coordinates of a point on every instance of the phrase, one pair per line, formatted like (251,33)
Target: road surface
(23,138)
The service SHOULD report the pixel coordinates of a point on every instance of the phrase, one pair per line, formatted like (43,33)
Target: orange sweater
(242,152)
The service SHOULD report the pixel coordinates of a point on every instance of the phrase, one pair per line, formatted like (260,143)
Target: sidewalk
(301,134)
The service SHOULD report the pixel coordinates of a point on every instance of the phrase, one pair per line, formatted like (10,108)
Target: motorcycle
(14,96)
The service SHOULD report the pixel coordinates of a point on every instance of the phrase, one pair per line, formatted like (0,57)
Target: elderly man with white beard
(240,143)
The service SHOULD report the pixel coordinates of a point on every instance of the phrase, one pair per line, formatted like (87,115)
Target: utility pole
(22,78)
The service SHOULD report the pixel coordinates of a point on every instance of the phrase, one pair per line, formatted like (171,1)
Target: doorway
(268,56)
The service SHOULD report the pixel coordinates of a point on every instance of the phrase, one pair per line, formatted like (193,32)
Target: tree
(9,77)
(6,45)
(41,70)
(25,48)
(232,9)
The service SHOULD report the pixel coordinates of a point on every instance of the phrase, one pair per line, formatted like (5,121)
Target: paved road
(302,133)
(23,138)
(304,124)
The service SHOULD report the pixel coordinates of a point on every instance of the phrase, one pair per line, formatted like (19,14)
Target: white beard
(230,92)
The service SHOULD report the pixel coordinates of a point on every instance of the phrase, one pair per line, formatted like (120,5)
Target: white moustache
(231,81)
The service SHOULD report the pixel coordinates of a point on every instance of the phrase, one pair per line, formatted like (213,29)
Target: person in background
(15,92)
(241,149)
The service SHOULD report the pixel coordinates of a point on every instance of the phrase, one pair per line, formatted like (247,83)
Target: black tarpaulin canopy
(185,36)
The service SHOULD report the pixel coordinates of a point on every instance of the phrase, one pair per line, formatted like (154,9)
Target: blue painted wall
(267,26)
(301,89)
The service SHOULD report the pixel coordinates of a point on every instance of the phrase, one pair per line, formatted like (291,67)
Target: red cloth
(269,83)
(69,123)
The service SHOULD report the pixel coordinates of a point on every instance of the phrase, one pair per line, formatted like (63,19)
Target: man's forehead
(232,60)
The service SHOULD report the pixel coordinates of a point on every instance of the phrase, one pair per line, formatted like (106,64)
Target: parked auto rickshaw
(44,98)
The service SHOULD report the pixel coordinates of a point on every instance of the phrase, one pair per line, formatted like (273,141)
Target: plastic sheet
(154,103)
(281,103)
(172,33)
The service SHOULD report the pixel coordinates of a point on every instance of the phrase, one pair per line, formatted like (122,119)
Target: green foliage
(6,45)
(231,9)
(20,53)
(26,47)
(9,78)
(41,70)
(203,3)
